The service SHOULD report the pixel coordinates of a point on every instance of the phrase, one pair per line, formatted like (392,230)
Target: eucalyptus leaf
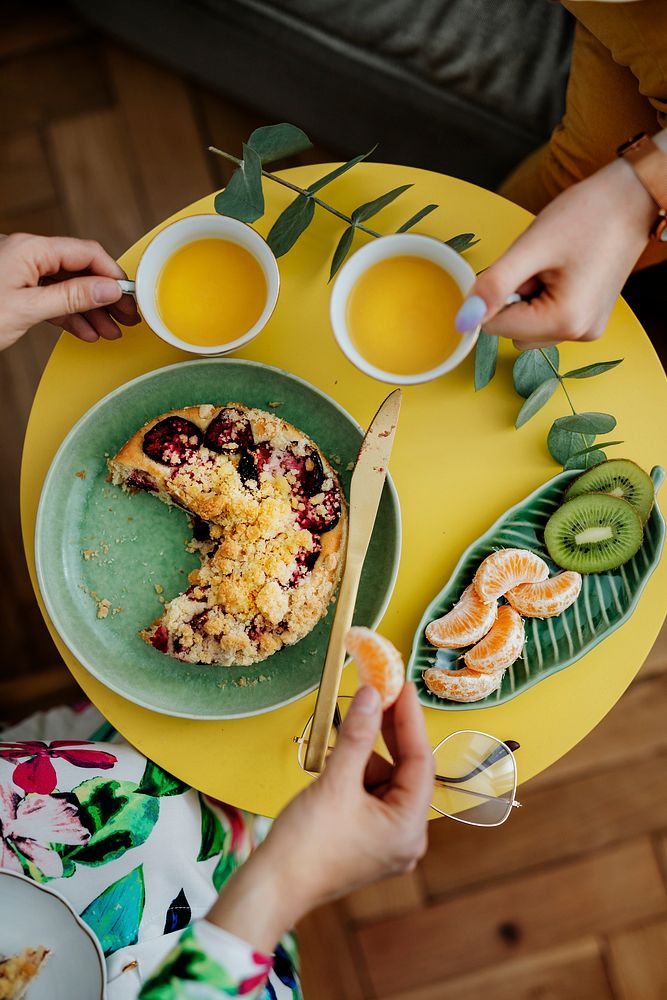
(596,447)
(588,423)
(563,444)
(461,242)
(371,208)
(342,250)
(290,224)
(417,217)
(243,198)
(588,371)
(531,369)
(344,167)
(584,460)
(275,142)
(486,355)
(536,400)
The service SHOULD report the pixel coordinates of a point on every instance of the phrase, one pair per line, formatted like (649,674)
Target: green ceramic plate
(605,602)
(135,544)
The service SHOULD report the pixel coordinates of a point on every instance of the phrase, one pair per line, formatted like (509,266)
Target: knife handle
(325,706)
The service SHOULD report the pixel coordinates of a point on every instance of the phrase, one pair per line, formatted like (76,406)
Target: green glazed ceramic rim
(46,532)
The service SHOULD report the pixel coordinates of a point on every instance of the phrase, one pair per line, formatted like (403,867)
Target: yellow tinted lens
(476,779)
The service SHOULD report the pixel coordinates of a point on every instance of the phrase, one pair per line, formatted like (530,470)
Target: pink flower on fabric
(30,824)
(265,964)
(237,824)
(252,983)
(37,774)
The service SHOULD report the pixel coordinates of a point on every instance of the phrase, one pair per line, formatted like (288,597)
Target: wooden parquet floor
(568,901)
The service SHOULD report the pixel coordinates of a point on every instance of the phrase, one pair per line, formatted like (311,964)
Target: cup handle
(128,287)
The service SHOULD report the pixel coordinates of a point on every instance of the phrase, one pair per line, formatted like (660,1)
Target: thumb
(76,295)
(492,289)
(356,738)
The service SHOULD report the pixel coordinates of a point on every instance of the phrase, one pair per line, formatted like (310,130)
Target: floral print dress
(141,857)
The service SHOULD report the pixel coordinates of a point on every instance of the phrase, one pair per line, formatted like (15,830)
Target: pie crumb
(159,589)
(103,606)
(275,405)
(88,553)
(81,474)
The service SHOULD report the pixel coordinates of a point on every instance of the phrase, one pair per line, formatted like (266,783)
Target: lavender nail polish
(471,314)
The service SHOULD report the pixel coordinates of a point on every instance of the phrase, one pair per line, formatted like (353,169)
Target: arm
(316,850)
(69,282)
(571,262)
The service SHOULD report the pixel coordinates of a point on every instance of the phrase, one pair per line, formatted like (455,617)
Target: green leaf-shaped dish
(605,602)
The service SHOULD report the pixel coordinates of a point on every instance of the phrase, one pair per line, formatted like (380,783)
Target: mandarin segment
(501,646)
(461,685)
(465,624)
(507,568)
(378,662)
(548,598)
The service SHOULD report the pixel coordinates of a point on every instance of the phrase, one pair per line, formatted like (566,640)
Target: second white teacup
(383,248)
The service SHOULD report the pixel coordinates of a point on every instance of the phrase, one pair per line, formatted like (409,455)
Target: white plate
(32,914)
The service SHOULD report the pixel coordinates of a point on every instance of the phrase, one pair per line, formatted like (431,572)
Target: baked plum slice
(247,467)
(172,441)
(160,639)
(321,516)
(304,471)
(140,480)
(305,561)
(229,431)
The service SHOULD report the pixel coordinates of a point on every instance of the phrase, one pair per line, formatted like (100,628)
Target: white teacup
(188,230)
(399,245)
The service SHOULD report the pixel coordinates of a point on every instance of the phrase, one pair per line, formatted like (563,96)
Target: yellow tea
(210,292)
(400,315)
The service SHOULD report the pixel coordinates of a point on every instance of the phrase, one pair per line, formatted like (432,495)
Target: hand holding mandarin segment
(571,263)
(69,282)
(363,820)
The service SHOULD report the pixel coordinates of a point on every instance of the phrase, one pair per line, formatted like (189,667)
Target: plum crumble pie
(269,522)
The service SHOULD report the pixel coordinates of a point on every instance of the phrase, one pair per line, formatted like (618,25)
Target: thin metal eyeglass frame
(505,747)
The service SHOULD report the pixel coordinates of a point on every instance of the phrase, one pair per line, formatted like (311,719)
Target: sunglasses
(476,774)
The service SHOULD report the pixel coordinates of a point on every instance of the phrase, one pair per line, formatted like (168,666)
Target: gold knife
(368,479)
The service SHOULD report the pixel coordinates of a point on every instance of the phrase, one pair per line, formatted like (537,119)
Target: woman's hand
(69,282)
(571,262)
(363,820)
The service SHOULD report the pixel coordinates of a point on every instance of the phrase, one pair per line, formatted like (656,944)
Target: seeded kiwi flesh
(620,478)
(593,532)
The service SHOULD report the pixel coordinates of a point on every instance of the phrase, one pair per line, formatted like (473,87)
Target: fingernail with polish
(471,314)
(105,291)
(367,700)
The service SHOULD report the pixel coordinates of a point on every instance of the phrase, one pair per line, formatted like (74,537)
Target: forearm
(260,902)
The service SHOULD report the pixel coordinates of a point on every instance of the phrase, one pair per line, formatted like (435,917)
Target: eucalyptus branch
(559,377)
(243,196)
(299,190)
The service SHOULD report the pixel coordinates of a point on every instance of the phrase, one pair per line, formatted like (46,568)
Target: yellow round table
(458,463)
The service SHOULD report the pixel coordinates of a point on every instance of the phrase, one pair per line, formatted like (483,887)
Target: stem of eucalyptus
(295,187)
(559,377)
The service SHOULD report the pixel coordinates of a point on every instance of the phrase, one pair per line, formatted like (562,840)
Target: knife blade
(368,478)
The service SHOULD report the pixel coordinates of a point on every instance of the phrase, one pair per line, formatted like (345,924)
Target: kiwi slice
(593,532)
(620,478)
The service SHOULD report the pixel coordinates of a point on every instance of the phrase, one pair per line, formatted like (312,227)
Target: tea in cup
(207,284)
(393,308)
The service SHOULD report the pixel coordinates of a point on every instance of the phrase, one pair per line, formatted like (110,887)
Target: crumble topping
(261,497)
